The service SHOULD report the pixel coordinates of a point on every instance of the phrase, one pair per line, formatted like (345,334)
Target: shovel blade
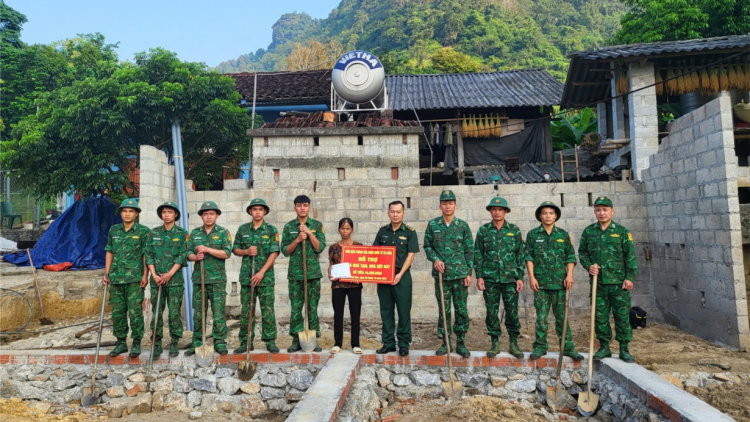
(556,398)
(204,356)
(452,389)
(246,370)
(307,340)
(89,397)
(587,403)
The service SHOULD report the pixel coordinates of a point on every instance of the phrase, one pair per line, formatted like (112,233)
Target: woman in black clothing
(341,290)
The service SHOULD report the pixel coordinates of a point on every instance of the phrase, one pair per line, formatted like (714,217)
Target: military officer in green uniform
(404,238)
(212,245)
(167,254)
(607,250)
(448,244)
(550,259)
(257,241)
(126,272)
(311,232)
(499,258)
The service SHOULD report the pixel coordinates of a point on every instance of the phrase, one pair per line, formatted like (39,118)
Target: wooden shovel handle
(252,311)
(591,335)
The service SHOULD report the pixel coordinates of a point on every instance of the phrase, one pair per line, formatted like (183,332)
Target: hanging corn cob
(480,133)
(499,130)
(672,84)
(714,80)
(723,78)
(659,85)
(681,84)
(622,83)
(734,81)
(705,81)
(695,83)
(464,127)
(746,79)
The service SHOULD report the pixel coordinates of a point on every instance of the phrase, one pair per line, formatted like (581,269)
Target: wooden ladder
(562,165)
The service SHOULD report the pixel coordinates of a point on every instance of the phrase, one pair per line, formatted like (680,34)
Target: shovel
(588,401)
(204,356)
(91,394)
(556,396)
(453,387)
(246,369)
(42,319)
(153,338)
(307,338)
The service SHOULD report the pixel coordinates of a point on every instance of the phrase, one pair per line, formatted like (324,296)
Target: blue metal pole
(179,170)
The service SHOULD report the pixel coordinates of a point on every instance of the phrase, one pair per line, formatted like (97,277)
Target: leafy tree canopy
(673,20)
(85,134)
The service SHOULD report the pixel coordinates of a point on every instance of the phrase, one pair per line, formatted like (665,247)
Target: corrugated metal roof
(659,48)
(515,88)
(529,173)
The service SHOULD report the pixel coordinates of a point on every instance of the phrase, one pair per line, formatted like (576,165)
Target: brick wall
(694,227)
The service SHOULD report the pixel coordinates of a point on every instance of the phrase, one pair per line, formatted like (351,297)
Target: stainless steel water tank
(358,76)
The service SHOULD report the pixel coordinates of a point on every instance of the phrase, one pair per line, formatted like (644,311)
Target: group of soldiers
(498,256)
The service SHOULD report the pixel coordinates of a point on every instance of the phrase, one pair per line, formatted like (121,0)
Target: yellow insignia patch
(187,237)
(615,235)
(630,237)
(322,230)
(560,240)
(136,237)
(215,237)
(229,237)
(510,234)
(277,237)
(400,237)
(177,239)
(264,237)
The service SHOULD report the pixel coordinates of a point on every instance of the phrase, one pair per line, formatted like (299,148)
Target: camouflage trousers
(264,297)
(543,301)
(171,297)
(493,293)
(126,301)
(297,297)
(612,297)
(216,296)
(454,292)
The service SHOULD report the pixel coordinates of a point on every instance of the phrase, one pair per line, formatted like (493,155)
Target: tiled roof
(659,48)
(528,173)
(312,86)
(515,88)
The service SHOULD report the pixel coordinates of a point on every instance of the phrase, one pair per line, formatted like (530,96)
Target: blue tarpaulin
(78,235)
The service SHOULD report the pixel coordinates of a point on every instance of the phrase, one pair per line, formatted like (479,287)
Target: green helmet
(209,205)
(498,202)
(603,200)
(548,204)
(168,204)
(447,195)
(260,202)
(129,203)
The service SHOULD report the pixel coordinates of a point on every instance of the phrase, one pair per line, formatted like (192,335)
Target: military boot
(190,351)
(625,353)
(271,347)
(442,350)
(537,353)
(158,348)
(495,348)
(573,355)
(135,349)
(173,352)
(120,347)
(461,346)
(295,347)
(221,348)
(514,349)
(603,352)
(242,348)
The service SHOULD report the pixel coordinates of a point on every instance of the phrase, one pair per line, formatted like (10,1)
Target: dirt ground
(473,409)
(731,400)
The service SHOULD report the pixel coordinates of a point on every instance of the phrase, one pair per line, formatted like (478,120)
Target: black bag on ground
(637,317)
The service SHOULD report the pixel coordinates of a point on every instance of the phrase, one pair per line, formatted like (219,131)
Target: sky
(198,31)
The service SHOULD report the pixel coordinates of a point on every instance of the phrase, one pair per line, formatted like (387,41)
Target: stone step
(325,397)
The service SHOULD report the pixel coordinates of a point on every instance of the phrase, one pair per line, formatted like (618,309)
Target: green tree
(673,20)
(85,134)
(448,60)
(569,130)
(11,23)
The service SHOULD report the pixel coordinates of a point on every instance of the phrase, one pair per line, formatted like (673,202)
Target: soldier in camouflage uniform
(166,255)
(449,246)
(550,259)
(499,259)
(303,229)
(607,250)
(257,241)
(124,269)
(211,244)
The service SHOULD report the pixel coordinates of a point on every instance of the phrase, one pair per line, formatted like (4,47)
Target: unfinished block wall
(694,227)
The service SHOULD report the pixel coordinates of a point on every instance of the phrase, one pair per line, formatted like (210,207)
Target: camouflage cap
(260,202)
(209,205)
(168,204)
(547,204)
(498,202)
(129,203)
(603,200)
(447,195)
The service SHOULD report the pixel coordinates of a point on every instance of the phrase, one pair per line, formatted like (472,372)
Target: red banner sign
(370,264)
